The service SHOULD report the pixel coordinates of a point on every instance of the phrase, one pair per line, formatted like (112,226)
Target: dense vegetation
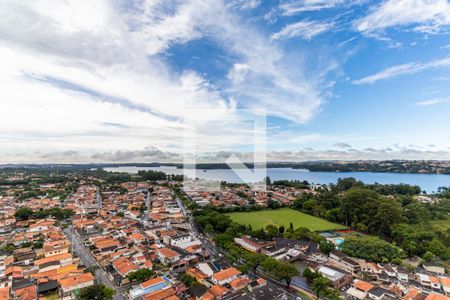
(58,213)
(393,166)
(370,248)
(141,275)
(96,291)
(389,212)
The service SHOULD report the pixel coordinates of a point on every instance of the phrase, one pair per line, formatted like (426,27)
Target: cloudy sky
(117,80)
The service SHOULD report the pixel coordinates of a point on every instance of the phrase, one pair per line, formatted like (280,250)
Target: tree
(285,271)
(272,231)
(428,256)
(209,228)
(354,204)
(96,292)
(141,275)
(320,285)
(23,213)
(309,274)
(8,248)
(269,264)
(253,260)
(327,247)
(332,294)
(370,248)
(187,279)
(281,230)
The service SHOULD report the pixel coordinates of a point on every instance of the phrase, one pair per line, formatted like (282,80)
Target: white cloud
(291,7)
(342,145)
(245,4)
(429,16)
(304,29)
(152,154)
(83,66)
(433,101)
(398,70)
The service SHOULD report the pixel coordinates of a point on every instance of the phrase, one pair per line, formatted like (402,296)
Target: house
(253,245)
(345,262)
(137,238)
(338,277)
(198,275)
(377,293)
(434,268)
(402,274)
(70,284)
(207,268)
(197,291)
(225,276)
(218,291)
(434,296)
(53,262)
(389,271)
(363,286)
(435,283)
(372,268)
(4,292)
(239,283)
(56,247)
(41,225)
(413,294)
(26,293)
(445,282)
(177,239)
(150,286)
(167,256)
(429,281)
(166,294)
(124,266)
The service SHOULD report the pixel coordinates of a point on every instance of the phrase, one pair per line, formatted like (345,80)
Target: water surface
(427,182)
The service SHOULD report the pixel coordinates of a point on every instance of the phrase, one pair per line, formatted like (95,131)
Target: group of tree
(388,211)
(279,270)
(25,213)
(96,292)
(188,280)
(371,248)
(140,275)
(321,285)
(398,221)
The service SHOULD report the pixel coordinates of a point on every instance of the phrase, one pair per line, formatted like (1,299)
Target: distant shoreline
(390,166)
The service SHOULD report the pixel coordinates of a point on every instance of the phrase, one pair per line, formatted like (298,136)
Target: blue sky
(114,80)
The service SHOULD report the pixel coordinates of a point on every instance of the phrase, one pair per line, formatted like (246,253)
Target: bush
(370,248)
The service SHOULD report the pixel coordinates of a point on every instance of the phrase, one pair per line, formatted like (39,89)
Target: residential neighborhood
(145,240)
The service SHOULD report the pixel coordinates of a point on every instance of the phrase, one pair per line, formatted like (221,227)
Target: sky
(145,80)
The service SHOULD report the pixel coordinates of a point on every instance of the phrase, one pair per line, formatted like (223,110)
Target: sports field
(283,216)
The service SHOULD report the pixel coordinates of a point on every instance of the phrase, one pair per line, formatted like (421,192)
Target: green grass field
(441,224)
(283,216)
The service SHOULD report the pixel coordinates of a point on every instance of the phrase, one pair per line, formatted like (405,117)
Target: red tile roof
(227,273)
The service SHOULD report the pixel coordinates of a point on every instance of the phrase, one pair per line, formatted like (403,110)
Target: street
(209,246)
(89,261)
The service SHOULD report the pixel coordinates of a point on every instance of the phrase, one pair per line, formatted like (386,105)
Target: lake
(427,182)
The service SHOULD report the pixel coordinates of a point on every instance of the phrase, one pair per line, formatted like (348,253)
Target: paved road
(148,202)
(89,261)
(98,199)
(209,246)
